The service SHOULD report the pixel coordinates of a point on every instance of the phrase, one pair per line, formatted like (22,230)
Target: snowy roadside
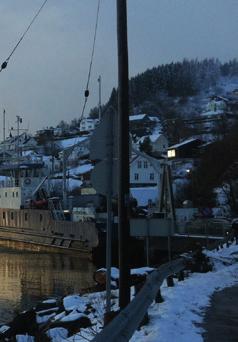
(178,318)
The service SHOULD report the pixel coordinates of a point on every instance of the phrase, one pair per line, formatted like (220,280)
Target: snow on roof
(65,143)
(153,137)
(137,117)
(144,194)
(71,183)
(188,141)
(29,153)
(154,118)
(212,112)
(81,169)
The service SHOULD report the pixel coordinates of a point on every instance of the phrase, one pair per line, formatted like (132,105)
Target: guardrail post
(181,276)
(159,298)
(108,316)
(170,281)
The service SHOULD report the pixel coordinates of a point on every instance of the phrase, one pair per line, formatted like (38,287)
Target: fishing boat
(32,218)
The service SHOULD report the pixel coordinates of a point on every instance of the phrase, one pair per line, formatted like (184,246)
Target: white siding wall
(161,144)
(142,172)
(10,198)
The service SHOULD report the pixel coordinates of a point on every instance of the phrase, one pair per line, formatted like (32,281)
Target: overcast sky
(45,79)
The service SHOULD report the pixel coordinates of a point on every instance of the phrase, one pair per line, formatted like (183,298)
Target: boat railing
(9,183)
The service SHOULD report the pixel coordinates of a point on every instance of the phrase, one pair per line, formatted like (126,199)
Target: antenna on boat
(19,120)
(99,98)
(4,134)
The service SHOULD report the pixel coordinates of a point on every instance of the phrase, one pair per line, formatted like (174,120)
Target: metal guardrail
(122,327)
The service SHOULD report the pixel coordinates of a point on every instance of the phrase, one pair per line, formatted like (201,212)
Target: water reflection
(27,277)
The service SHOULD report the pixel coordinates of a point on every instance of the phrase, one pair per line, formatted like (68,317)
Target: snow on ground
(75,302)
(143,195)
(179,316)
(57,334)
(24,338)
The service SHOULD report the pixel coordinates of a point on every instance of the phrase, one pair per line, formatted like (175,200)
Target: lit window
(171,153)
(136,176)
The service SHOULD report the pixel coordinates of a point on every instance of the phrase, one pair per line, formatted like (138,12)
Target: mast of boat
(99,98)
(4,134)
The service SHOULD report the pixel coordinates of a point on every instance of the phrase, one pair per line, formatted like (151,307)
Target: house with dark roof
(188,148)
(141,124)
(159,142)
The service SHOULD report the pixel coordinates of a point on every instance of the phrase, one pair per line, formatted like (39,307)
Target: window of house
(5,194)
(4,215)
(26,216)
(152,176)
(17,194)
(145,164)
(139,164)
(136,176)
(41,217)
(13,194)
(12,216)
(171,153)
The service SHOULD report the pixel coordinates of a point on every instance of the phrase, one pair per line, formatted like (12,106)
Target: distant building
(217,103)
(142,172)
(141,124)
(88,125)
(159,142)
(188,148)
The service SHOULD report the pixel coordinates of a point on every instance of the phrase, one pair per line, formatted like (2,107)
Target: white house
(159,142)
(217,103)
(142,172)
(88,125)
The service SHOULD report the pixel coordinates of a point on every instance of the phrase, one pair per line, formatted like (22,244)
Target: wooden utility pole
(123,158)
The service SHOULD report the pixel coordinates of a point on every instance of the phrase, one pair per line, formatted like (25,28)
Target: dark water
(28,277)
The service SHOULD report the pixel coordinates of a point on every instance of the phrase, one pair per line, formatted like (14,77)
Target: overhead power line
(5,63)
(86,92)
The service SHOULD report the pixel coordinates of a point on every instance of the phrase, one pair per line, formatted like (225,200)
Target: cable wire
(86,92)
(4,64)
